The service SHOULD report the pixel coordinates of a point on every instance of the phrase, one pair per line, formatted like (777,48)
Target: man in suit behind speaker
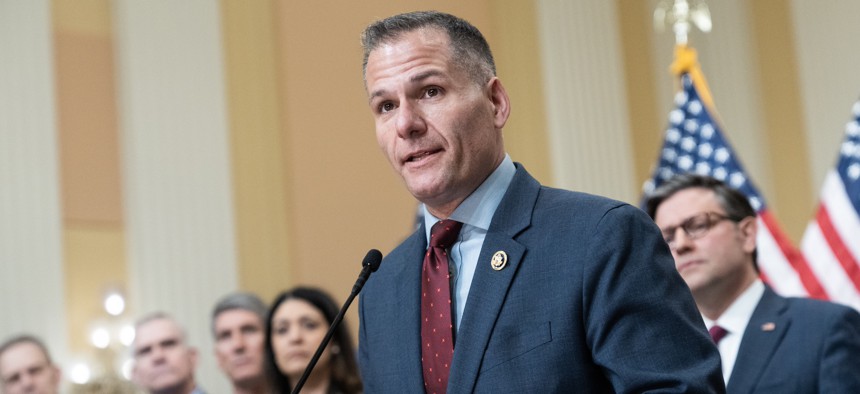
(768,343)
(523,288)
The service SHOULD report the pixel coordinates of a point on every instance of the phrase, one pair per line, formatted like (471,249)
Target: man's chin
(245,376)
(165,384)
(427,195)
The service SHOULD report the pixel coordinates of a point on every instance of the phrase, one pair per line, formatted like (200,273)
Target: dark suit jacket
(797,345)
(589,301)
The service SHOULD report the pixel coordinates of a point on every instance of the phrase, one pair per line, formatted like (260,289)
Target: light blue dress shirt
(475,212)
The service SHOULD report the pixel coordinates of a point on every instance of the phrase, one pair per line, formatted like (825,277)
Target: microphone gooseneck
(368,266)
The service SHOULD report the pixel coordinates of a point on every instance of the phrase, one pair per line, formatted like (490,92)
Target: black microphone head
(372,260)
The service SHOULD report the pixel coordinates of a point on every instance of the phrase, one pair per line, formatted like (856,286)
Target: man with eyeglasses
(768,343)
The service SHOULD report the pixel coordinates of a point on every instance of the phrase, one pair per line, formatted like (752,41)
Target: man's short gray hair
(25,338)
(469,48)
(161,315)
(240,300)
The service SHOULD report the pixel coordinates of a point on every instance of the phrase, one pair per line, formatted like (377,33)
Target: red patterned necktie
(437,342)
(717,333)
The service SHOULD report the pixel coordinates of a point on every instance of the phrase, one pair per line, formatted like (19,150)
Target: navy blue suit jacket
(589,301)
(797,345)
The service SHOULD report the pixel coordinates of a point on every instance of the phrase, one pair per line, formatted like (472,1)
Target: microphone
(368,266)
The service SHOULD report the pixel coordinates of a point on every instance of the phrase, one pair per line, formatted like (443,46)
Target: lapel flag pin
(500,259)
(769,326)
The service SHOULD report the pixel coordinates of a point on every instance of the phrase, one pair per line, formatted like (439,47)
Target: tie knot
(717,333)
(444,233)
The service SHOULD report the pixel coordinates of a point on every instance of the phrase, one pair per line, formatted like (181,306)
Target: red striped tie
(437,342)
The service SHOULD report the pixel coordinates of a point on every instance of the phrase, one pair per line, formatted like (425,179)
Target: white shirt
(475,212)
(735,321)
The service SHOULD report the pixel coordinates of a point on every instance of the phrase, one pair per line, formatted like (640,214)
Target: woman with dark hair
(297,323)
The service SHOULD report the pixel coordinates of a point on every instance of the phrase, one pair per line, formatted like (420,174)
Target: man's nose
(28,382)
(409,121)
(239,343)
(682,242)
(158,355)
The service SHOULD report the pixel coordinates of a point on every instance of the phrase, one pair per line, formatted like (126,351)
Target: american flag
(831,242)
(694,143)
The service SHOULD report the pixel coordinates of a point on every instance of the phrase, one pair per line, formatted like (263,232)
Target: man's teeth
(418,156)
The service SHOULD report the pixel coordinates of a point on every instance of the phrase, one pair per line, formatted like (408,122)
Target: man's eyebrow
(425,75)
(413,79)
(142,350)
(375,94)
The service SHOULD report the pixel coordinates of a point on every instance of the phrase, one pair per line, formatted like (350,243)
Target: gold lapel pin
(770,326)
(499,261)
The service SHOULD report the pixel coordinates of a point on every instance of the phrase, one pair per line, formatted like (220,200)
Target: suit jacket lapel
(764,333)
(489,287)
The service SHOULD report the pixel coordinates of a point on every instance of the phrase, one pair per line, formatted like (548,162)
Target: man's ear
(192,354)
(134,373)
(500,100)
(56,376)
(749,231)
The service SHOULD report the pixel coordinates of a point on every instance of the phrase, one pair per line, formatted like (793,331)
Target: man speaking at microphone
(507,286)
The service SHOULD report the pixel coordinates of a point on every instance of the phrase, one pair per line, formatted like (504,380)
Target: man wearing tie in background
(768,344)
(524,288)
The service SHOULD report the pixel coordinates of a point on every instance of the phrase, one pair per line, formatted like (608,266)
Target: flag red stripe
(840,251)
(794,258)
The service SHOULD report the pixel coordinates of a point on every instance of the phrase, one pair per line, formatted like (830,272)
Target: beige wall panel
(518,64)
(95,255)
(825,33)
(89,145)
(90,17)
(259,170)
(783,117)
(585,96)
(94,246)
(646,127)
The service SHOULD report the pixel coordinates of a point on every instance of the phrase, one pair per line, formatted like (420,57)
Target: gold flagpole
(682,15)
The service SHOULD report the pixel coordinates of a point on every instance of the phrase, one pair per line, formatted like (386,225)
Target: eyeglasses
(694,227)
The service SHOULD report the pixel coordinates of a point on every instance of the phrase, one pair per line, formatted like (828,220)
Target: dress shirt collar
(477,210)
(736,318)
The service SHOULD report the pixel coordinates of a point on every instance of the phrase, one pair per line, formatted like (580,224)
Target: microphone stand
(369,265)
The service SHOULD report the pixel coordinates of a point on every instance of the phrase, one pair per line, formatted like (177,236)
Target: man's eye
(698,225)
(432,92)
(386,107)
(667,237)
